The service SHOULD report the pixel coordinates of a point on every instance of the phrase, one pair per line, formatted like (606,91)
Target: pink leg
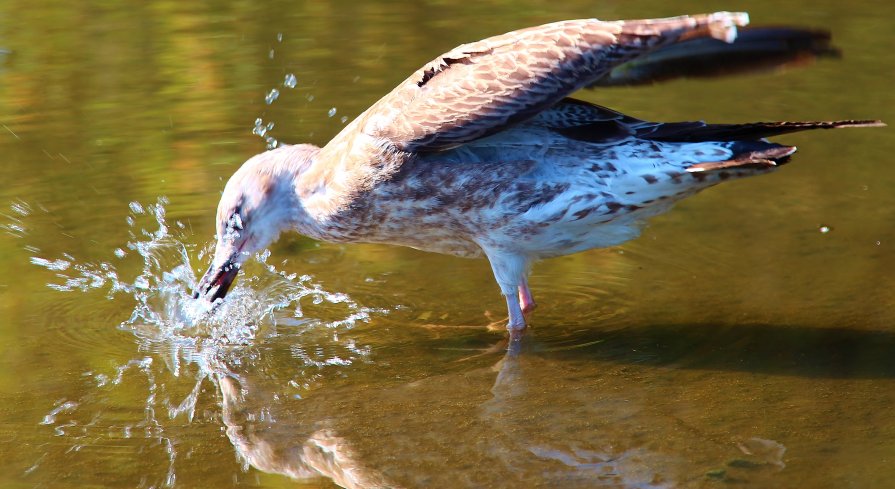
(509,273)
(525,299)
(516,324)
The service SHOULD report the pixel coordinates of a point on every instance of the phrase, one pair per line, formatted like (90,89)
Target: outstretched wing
(478,89)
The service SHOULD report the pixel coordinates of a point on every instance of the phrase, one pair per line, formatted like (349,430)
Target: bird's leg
(525,298)
(516,324)
(509,271)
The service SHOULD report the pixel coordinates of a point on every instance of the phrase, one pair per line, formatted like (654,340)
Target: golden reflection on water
(733,343)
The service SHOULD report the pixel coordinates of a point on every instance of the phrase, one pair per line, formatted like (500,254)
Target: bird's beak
(217,281)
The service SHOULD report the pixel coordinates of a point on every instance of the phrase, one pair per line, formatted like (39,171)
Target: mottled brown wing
(478,89)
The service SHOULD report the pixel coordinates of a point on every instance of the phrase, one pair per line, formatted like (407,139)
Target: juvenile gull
(481,153)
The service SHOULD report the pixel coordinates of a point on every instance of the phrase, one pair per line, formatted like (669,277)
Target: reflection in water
(300,432)
(220,343)
(603,395)
(287,367)
(295,447)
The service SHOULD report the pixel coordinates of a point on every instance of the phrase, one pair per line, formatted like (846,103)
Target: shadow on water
(789,350)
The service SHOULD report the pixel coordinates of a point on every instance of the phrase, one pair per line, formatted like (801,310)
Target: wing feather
(480,88)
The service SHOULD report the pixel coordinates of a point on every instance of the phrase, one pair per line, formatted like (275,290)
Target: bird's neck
(342,172)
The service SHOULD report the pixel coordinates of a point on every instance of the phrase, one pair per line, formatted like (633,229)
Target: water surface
(744,340)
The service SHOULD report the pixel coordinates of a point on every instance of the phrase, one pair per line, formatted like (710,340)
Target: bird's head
(258,203)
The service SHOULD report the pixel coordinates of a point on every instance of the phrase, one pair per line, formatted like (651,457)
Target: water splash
(290,81)
(271,96)
(185,343)
(162,289)
(261,129)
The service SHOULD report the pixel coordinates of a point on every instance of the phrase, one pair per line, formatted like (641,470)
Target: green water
(733,344)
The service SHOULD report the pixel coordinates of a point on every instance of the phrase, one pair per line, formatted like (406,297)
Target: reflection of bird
(479,153)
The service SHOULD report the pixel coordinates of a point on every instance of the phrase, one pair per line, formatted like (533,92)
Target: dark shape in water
(755,50)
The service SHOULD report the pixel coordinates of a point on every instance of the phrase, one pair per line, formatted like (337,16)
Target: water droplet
(824,229)
(271,143)
(271,96)
(878,243)
(120,253)
(279,37)
(270,54)
(290,81)
(260,129)
(332,112)
(310,97)
(136,208)
(344,119)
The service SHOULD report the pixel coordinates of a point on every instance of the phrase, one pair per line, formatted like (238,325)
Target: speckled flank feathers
(480,153)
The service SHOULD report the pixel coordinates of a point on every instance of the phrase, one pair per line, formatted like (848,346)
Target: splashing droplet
(57,265)
(290,81)
(260,129)
(331,112)
(141,282)
(271,96)
(824,229)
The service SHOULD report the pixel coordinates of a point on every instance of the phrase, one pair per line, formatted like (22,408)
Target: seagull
(481,153)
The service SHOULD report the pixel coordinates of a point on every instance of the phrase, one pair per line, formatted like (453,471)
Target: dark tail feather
(756,49)
(700,131)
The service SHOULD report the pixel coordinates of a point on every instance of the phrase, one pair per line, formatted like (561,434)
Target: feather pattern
(479,88)
(576,176)
(480,153)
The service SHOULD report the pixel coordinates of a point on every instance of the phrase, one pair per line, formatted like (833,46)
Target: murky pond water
(746,339)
